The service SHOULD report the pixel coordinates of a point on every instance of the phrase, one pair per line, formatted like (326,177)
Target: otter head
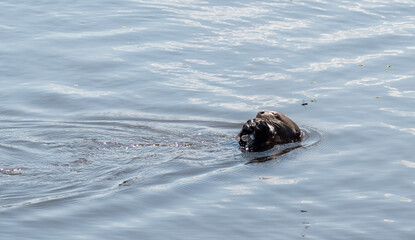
(272,116)
(256,135)
(266,130)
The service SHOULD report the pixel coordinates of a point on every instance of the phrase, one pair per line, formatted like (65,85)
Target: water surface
(118,119)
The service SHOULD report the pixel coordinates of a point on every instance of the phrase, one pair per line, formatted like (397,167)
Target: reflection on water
(273,156)
(311,137)
(118,120)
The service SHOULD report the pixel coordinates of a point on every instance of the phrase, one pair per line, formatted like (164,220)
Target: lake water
(118,119)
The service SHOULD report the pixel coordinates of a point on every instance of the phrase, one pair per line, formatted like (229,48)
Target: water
(118,119)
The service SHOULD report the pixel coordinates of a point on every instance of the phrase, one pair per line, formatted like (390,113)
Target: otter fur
(266,130)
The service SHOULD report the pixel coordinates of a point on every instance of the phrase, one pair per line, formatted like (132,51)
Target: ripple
(408,164)
(372,81)
(90,34)
(239,189)
(363,8)
(397,198)
(6,27)
(199,61)
(76,90)
(184,77)
(172,46)
(395,92)
(267,60)
(276,180)
(271,76)
(401,129)
(399,112)
(222,14)
(266,34)
(341,62)
(114,154)
(318,91)
(385,28)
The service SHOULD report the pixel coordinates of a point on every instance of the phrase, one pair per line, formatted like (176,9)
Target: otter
(266,130)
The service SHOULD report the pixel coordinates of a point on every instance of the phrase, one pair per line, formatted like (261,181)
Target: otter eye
(261,112)
(277,116)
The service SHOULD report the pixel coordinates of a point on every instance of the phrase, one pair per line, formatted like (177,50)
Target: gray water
(118,119)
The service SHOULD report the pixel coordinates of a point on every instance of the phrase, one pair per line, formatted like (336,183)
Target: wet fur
(266,130)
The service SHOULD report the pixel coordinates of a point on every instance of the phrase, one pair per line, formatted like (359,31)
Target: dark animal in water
(266,130)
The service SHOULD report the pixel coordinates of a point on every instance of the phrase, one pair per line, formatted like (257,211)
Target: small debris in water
(313,100)
(388,66)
